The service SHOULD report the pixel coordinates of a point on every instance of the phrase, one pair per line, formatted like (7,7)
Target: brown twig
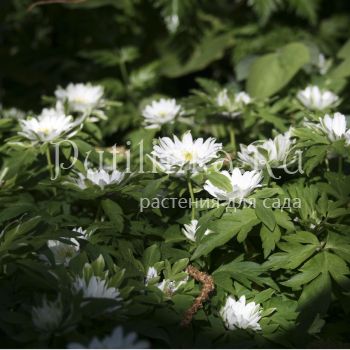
(207,287)
(47,2)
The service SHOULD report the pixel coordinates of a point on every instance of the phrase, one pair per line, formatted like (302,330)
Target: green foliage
(282,243)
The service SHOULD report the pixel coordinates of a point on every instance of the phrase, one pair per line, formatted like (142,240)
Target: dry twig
(208,286)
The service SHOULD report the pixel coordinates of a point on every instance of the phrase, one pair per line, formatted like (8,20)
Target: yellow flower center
(45,130)
(188,156)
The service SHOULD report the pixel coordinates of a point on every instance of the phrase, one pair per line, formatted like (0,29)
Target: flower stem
(232,138)
(49,162)
(190,188)
(340,164)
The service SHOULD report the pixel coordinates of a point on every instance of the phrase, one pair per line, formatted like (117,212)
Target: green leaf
(270,73)
(210,49)
(221,181)
(151,256)
(240,222)
(269,239)
(114,213)
(265,215)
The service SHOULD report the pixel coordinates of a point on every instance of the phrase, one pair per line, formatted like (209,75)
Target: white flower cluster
(238,314)
(272,153)
(49,316)
(334,127)
(186,155)
(191,229)
(314,98)
(80,97)
(161,112)
(54,123)
(232,106)
(119,339)
(95,287)
(100,178)
(243,183)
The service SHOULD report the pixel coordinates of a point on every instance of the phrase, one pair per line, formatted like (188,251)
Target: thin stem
(232,138)
(49,162)
(340,164)
(192,199)
(124,72)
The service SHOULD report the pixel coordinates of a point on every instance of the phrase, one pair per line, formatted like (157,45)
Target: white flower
(243,184)
(272,152)
(81,97)
(100,177)
(179,156)
(238,314)
(322,64)
(49,125)
(81,232)
(11,113)
(333,127)
(169,287)
(48,316)
(314,98)
(119,339)
(95,287)
(191,229)
(243,98)
(63,252)
(151,274)
(161,112)
(233,105)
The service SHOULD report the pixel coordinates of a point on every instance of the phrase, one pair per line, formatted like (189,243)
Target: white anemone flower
(191,229)
(50,125)
(243,183)
(80,231)
(49,316)
(101,178)
(119,339)
(169,287)
(334,127)
(238,314)
(81,97)
(314,98)
(64,252)
(273,153)
(95,287)
(233,106)
(323,64)
(185,155)
(152,273)
(160,112)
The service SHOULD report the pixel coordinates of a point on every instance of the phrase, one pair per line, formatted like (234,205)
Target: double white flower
(101,178)
(151,274)
(119,339)
(191,229)
(169,287)
(160,112)
(232,106)
(50,125)
(238,314)
(243,183)
(81,97)
(314,98)
(185,155)
(334,127)
(95,287)
(64,252)
(273,153)
(49,316)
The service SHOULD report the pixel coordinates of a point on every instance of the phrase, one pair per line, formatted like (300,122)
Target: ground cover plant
(174,174)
